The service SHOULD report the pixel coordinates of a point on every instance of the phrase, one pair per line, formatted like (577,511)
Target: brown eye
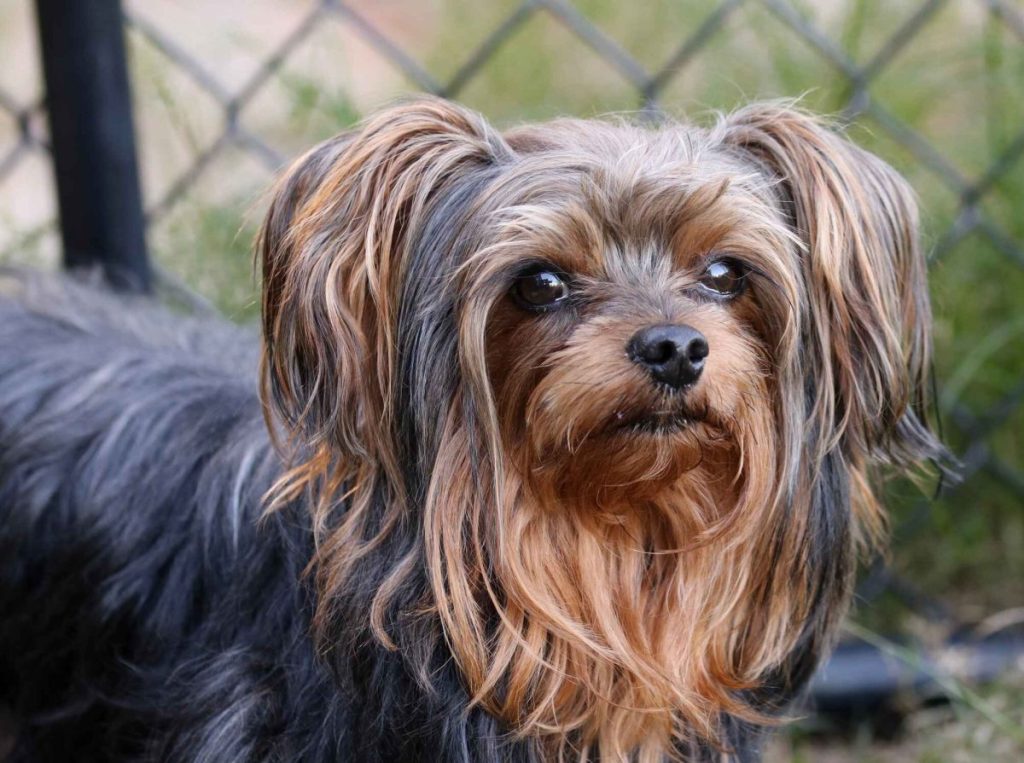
(540,290)
(725,278)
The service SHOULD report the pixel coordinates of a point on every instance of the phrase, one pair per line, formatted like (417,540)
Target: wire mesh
(974,427)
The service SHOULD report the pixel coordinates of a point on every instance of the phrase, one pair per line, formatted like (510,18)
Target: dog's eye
(540,290)
(724,277)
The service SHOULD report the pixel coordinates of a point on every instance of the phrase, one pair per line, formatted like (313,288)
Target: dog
(558,444)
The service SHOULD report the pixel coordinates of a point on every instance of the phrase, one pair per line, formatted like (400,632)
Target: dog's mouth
(658,423)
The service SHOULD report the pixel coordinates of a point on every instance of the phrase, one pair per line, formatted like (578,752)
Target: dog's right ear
(333,249)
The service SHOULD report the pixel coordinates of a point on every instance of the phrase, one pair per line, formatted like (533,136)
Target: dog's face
(602,401)
(631,347)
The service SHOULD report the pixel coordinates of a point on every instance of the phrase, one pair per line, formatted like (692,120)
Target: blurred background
(224,93)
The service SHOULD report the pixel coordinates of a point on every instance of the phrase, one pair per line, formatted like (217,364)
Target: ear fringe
(859,386)
(867,324)
(332,249)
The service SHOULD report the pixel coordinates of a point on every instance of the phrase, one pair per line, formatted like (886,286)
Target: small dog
(567,444)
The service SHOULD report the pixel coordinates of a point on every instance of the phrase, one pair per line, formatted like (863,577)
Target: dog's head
(595,405)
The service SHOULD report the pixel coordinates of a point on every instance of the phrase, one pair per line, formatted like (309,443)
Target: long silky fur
(149,614)
(425,543)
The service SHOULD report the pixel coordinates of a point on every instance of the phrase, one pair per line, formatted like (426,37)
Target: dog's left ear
(866,323)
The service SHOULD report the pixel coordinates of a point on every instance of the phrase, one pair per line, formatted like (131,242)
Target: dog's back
(147,613)
(137,590)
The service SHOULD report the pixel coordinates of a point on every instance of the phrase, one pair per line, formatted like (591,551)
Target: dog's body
(146,614)
(573,434)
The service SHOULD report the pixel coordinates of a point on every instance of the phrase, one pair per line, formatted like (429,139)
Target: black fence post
(89,105)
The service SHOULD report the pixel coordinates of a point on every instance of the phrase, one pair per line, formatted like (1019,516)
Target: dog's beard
(602,595)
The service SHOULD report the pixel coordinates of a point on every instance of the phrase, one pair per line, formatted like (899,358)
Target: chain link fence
(982,427)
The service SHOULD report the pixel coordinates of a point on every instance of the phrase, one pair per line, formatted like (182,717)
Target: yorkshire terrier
(565,443)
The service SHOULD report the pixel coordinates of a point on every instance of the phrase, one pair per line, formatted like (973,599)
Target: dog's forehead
(598,196)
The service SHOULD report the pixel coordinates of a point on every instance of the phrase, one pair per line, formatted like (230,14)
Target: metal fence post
(90,116)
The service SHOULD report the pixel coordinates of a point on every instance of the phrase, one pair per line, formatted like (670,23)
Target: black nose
(674,354)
